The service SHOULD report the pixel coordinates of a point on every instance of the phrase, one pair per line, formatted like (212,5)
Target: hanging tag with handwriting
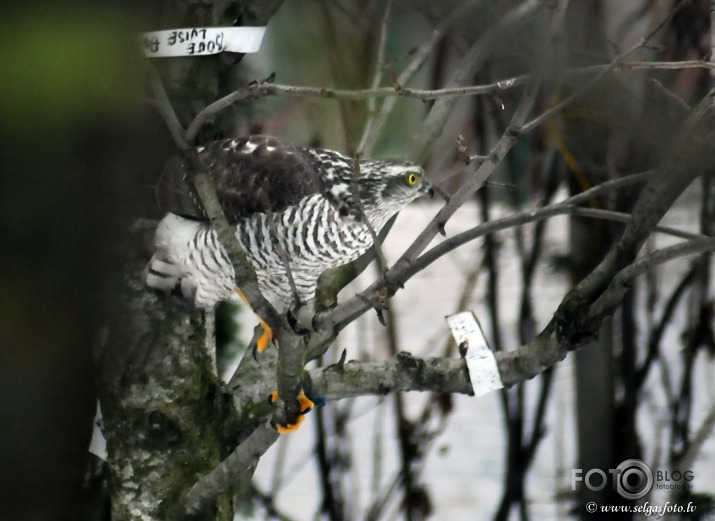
(201,41)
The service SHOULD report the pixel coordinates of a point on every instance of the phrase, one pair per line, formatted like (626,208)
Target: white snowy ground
(464,470)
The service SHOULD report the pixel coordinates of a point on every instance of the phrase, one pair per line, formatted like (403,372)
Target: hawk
(293,208)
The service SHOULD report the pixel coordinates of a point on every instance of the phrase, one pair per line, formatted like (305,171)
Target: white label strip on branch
(481,364)
(98,445)
(201,41)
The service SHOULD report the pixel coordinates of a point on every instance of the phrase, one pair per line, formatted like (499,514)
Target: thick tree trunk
(167,417)
(585,144)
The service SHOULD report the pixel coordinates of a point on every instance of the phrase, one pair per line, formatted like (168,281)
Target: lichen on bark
(167,416)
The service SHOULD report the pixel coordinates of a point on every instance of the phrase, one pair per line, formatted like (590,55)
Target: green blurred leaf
(61,66)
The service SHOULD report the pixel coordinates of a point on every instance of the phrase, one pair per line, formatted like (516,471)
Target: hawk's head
(384,187)
(387,186)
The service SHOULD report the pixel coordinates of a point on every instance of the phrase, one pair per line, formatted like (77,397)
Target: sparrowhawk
(290,205)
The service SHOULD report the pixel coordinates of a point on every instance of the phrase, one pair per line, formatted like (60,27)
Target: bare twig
(687,461)
(673,175)
(355,192)
(420,57)
(263,88)
(610,215)
(406,373)
(377,78)
(704,431)
(406,432)
(656,333)
(290,359)
(333,502)
(620,284)
(380,503)
(267,500)
(471,62)
(548,348)
(498,152)
(217,106)
(283,255)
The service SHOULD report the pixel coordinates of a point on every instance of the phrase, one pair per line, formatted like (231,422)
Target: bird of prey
(296,210)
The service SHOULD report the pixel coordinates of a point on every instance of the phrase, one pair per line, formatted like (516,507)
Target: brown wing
(253,174)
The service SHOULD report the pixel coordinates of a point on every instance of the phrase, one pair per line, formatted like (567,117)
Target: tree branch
(225,474)
(407,373)
(217,106)
(475,57)
(610,215)
(615,63)
(620,284)
(420,57)
(548,348)
(377,78)
(404,372)
(263,88)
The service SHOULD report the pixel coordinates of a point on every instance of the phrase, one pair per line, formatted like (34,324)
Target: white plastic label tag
(201,41)
(481,364)
(98,444)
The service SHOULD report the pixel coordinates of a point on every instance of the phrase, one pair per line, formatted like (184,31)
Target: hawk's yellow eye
(412,178)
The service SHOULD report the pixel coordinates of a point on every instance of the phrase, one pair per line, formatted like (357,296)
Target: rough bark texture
(167,419)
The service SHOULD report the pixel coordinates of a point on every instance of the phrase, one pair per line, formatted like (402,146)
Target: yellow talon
(285,429)
(267,334)
(265,337)
(306,404)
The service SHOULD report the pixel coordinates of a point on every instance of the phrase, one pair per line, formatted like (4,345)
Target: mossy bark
(167,417)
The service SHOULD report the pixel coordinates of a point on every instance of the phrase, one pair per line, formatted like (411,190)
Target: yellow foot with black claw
(265,337)
(306,405)
(267,334)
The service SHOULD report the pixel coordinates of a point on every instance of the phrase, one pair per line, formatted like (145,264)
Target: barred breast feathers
(312,234)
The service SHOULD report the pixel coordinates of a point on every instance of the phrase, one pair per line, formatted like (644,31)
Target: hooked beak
(427,189)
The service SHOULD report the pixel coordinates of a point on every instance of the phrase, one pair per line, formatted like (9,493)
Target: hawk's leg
(267,334)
